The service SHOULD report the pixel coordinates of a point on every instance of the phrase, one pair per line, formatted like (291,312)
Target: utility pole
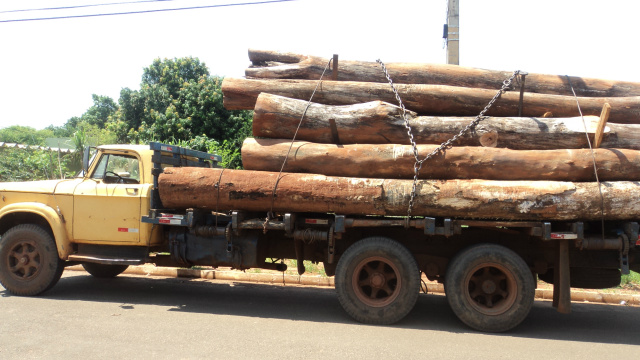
(452,32)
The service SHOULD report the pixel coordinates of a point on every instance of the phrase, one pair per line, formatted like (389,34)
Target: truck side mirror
(85,161)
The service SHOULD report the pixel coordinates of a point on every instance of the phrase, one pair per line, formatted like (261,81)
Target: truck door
(107,205)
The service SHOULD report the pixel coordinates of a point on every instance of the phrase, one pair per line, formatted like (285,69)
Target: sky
(50,68)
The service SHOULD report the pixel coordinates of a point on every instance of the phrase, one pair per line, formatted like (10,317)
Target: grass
(630,281)
(309,267)
(292,268)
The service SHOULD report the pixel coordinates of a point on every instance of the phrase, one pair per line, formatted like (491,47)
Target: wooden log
(278,65)
(482,199)
(381,123)
(242,94)
(397,161)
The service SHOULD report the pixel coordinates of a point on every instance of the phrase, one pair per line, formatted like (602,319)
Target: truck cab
(94,219)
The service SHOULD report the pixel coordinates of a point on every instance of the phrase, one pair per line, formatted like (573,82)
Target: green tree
(24,135)
(178,102)
(98,114)
(171,74)
(27,164)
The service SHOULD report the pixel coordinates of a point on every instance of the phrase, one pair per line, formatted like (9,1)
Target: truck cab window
(114,168)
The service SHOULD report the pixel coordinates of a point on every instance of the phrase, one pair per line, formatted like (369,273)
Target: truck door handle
(132,191)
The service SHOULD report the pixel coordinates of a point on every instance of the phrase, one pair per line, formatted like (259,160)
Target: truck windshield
(114,168)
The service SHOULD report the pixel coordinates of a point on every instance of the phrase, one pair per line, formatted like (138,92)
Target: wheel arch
(41,215)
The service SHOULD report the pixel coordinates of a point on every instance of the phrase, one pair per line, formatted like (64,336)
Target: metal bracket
(429,226)
(229,236)
(448,227)
(523,74)
(578,228)
(546,231)
(632,229)
(331,249)
(624,255)
(334,73)
(340,224)
(236,218)
(289,223)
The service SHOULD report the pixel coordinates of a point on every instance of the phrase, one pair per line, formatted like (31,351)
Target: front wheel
(29,262)
(489,288)
(377,281)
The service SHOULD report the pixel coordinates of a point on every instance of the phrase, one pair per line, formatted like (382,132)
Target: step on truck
(111,216)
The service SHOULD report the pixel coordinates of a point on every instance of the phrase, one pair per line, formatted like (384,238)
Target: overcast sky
(50,68)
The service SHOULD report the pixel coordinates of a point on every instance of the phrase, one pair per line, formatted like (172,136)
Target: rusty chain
(270,214)
(506,84)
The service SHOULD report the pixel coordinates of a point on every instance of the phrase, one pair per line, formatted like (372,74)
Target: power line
(83,6)
(146,11)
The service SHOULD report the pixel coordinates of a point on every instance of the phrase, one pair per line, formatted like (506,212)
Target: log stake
(604,117)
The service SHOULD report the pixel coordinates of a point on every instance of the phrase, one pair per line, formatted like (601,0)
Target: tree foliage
(179,102)
(27,164)
(25,135)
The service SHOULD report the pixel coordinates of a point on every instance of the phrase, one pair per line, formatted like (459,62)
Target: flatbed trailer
(112,217)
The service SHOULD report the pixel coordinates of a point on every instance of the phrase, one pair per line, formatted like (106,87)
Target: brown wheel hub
(24,260)
(376,281)
(491,288)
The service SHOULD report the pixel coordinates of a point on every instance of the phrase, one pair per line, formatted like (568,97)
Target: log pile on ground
(352,153)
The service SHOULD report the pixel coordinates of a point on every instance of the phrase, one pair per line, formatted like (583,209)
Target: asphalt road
(149,317)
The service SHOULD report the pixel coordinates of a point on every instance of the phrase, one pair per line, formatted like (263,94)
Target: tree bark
(397,161)
(242,94)
(481,199)
(278,65)
(378,122)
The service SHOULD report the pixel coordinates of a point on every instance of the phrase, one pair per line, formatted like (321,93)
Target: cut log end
(489,139)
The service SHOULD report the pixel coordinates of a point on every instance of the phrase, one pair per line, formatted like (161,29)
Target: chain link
(506,84)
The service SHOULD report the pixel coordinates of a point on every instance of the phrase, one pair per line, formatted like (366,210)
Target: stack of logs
(352,154)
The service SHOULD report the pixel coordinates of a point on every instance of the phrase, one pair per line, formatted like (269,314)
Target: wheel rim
(491,288)
(24,260)
(376,281)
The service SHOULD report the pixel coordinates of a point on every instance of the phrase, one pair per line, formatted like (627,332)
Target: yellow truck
(111,216)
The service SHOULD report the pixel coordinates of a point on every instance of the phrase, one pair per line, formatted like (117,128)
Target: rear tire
(489,288)
(377,281)
(29,261)
(104,270)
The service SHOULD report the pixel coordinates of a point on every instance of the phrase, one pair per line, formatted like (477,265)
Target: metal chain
(506,84)
(593,155)
(270,213)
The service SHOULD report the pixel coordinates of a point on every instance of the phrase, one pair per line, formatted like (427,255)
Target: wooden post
(604,117)
(334,73)
(562,281)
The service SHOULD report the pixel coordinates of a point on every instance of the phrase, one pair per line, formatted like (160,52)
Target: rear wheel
(29,262)
(489,288)
(103,270)
(377,281)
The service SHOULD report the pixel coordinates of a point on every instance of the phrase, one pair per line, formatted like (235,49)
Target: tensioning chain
(445,145)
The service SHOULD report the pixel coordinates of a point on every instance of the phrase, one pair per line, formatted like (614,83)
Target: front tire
(489,288)
(29,261)
(103,270)
(377,281)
